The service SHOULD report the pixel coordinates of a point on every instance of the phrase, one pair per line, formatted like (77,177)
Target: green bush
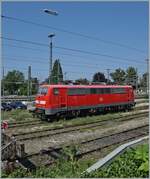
(133,163)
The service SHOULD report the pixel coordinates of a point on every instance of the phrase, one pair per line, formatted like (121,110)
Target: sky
(108,23)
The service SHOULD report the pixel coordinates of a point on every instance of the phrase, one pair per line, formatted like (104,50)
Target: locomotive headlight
(100,99)
(36,101)
(42,102)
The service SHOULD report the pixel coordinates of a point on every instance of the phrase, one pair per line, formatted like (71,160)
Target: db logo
(100,99)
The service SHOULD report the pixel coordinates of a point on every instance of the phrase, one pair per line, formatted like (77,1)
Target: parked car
(6,107)
(18,105)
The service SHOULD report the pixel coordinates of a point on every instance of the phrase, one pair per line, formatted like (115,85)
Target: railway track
(113,139)
(25,123)
(73,128)
(89,146)
(32,122)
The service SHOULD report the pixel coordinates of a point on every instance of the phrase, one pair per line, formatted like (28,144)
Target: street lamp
(51,12)
(51,59)
(55,13)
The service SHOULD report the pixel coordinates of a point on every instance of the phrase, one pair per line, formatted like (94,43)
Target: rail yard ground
(86,138)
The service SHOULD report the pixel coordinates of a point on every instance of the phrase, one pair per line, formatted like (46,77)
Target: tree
(23,88)
(35,84)
(57,74)
(131,76)
(118,76)
(13,81)
(143,81)
(82,81)
(99,77)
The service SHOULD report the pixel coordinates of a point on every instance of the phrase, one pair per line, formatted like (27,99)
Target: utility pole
(65,76)
(58,75)
(108,72)
(51,57)
(3,88)
(136,79)
(29,82)
(147,60)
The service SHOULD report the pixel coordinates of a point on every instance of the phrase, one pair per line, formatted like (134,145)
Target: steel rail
(30,122)
(67,126)
(59,147)
(127,135)
(122,136)
(67,129)
(27,123)
(100,163)
(23,122)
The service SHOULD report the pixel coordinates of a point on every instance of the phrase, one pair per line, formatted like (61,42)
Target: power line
(71,55)
(23,47)
(73,72)
(70,49)
(26,59)
(94,53)
(75,33)
(71,65)
(25,41)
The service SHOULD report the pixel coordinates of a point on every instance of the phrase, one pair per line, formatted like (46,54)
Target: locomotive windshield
(42,91)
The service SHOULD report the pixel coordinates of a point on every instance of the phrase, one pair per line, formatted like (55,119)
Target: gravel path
(44,143)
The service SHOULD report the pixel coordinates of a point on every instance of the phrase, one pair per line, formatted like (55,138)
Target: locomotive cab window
(56,91)
(42,91)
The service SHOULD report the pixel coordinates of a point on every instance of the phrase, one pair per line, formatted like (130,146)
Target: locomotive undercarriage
(68,114)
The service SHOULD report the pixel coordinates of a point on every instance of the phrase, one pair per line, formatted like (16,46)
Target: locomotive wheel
(43,117)
(51,118)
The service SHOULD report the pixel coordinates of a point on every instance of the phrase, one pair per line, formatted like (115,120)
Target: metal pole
(29,81)
(136,79)
(50,62)
(147,60)
(3,83)
(108,70)
(51,58)
(58,71)
(65,74)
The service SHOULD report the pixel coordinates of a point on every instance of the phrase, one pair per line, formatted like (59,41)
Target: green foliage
(70,153)
(133,163)
(57,74)
(17,115)
(35,84)
(129,164)
(23,88)
(131,76)
(143,80)
(13,81)
(141,154)
(99,77)
(118,76)
(131,72)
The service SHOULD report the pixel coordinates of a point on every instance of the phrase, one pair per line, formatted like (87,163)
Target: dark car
(18,105)
(6,107)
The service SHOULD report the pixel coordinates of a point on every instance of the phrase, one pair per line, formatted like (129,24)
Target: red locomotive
(56,100)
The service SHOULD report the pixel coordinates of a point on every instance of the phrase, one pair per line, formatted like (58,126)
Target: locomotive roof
(86,86)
